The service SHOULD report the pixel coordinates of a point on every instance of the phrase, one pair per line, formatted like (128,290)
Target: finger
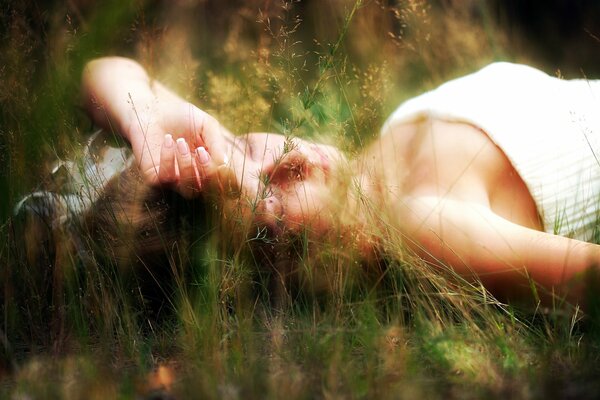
(167,172)
(188,185)
(220,178)
(206,167)
(212,136)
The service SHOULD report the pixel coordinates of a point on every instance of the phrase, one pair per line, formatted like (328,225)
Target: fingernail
(168,141)
(203,155)
(182,147)
(225,159)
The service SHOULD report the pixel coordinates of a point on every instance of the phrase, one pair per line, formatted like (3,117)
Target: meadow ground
(98,321)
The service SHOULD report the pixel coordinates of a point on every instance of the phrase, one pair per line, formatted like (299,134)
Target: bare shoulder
(448,158)
(455,160)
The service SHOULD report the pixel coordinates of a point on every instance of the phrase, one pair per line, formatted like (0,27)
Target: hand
(119,95)
(177,145)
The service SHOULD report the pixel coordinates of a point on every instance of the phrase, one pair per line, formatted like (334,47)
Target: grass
(99,322)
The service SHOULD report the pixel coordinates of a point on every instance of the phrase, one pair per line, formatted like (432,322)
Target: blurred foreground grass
(327,69)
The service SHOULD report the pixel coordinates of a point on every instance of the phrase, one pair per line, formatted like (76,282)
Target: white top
(548,128)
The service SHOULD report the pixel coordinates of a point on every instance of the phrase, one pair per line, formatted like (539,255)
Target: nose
(268,211)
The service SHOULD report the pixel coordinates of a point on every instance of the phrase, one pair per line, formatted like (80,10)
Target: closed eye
(294,167)
(288,172)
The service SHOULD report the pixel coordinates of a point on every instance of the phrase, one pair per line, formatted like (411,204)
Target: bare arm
(119,95)
(473,240)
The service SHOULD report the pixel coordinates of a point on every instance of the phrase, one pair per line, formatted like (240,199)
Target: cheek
(304,206)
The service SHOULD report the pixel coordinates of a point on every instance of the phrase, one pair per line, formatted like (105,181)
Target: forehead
(262,144)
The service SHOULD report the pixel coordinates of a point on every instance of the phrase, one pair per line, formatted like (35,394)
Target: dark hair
(124,241)
(141,238)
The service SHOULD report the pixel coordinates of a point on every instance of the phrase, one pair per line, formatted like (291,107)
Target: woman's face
(287,181)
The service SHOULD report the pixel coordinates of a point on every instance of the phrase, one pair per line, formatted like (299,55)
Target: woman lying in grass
(495,174)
